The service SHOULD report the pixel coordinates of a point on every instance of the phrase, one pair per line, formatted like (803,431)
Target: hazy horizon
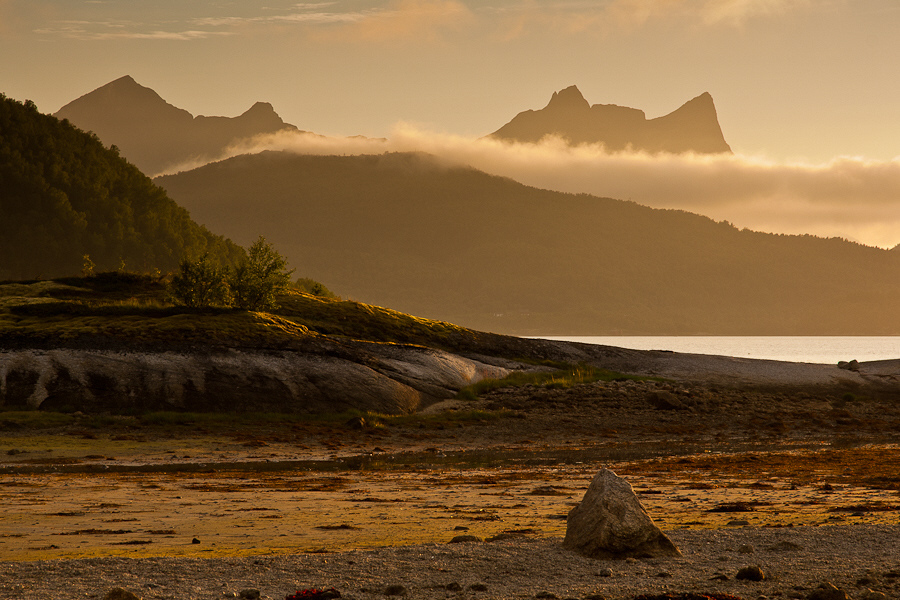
(793,80)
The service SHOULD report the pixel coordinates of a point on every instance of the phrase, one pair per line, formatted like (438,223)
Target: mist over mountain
(410,232)
(153,134)
(63,195)
(692,128)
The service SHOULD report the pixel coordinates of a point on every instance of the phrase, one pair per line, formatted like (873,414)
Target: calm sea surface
(811,349)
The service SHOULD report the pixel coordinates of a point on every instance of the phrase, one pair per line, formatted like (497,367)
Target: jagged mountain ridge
(694,127)
(155,135)
(459,245)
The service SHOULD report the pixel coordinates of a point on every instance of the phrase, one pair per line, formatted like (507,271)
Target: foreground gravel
(863,560)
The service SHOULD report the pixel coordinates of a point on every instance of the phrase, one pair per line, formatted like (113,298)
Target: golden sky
(792,79)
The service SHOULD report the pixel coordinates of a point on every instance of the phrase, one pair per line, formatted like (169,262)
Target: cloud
(618,15)
(847,197)
(403,20)
(84,30)
(735,12)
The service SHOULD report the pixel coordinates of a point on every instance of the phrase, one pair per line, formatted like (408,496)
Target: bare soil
(800,481)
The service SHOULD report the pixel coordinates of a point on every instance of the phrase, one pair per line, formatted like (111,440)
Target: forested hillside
(64,196)
(456,244)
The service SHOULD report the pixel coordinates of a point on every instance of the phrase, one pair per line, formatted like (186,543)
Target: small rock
(120,594)
(395,590)
(751,574)
(355,423)
(249,594)
(453,587)
(460,528)
(827,591)
(195,541)
(784,547)
(738,523)
(478,587)
(719,577)
(548,595)
(662,400)
(607,572)
(872,595)
(746,549)
(464,538)
(506,535)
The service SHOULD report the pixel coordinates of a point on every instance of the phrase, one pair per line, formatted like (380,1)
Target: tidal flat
(719,467)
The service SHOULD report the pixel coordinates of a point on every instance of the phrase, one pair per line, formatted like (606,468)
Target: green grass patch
(34,419)
(563,378)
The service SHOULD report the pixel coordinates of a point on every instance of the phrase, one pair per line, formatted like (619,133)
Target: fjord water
(808,349)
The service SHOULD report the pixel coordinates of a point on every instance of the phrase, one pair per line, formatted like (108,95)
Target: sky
(806,90)
(792,79)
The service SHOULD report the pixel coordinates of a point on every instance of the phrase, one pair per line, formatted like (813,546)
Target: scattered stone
(395,590)
(719,577)
(120,594)
(464,538)
(453,587)
(478,587)
(195,541)
(355,423)
(784,546)
(460,528)
(607,572)
(249,594)
(663,400)
(746,549)
(611,522)
(315,594)
(506,535)
(751,574)
(827,591)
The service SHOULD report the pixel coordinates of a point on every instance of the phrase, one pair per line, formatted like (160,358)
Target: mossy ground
(134,309)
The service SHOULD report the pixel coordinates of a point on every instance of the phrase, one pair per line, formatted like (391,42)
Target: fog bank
(848,197)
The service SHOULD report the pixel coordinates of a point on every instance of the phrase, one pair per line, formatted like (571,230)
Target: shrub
(310,286)
(199,284)
(259,277)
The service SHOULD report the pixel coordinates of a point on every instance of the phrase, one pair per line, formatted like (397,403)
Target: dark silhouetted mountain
(456,244)
(692,128)
(153,134)
(64,195)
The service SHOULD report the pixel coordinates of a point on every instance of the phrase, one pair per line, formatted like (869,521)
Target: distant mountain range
(692,128)
(452,243)
(153,134)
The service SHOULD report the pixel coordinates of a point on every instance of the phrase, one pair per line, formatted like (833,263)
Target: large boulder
(610,522)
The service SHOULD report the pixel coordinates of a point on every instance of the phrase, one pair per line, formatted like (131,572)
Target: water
(810,349)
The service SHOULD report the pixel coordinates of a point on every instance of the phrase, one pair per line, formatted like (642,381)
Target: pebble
(464,538)
(827,591)
(751,574)
(395,590)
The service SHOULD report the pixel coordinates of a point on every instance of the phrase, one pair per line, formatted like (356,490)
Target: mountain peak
(156,135)
(568,99)
(694,127)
